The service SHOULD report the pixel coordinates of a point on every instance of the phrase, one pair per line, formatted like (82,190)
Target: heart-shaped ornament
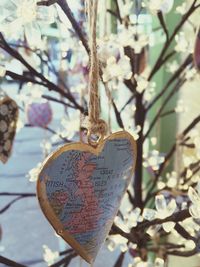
(80,188)
(8,123)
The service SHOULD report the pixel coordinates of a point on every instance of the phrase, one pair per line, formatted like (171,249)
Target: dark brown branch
(120,260)
(45,82)
(11,263)
(176,217)
(184,233)
(66,260)
(183,253)
(163,24)
(50,98)
(5,208)
(170,95)
(118,115)
(17,194)
(169,112)
(112,13)
(115,230)
(118,11)
(66,9)
(47,3)
(23,78)
(175,76)
(51,131)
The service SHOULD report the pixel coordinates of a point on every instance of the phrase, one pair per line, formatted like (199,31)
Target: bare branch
(66,9)
(47,2)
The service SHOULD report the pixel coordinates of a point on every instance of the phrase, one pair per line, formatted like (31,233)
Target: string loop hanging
(97,126)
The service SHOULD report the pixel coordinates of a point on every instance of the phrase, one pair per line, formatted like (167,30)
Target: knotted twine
(97,126)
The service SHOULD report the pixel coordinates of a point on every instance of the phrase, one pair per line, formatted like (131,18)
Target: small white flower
(49,256)
(172,66)
(172,179)
(117,241)
(46,146)
(181,9)
(164,6)
(33,173)
(190,74)
(163,210)
(153,160)
(108,48)
(180,107)
(120,69)
(135,132)
(159,262)
(182,45)
(142,83)
(149,92)
(125,9)
(2,71)
(24,16)
(126,37)
(132,218)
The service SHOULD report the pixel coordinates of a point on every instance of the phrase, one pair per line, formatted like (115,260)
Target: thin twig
(66,9)
(10,263)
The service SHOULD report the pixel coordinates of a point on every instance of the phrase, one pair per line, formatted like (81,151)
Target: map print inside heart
(80,188)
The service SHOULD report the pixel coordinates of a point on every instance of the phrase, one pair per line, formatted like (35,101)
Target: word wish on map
(8,123)
(80,188)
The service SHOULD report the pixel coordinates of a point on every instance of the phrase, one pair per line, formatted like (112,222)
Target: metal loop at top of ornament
(99,129)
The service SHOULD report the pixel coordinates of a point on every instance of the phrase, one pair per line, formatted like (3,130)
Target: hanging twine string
(96,125)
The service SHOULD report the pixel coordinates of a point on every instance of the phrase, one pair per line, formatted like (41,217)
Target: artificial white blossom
(163,210)
(33,173)
(182,43)
(190,73)
(2,71)
(182,8)
(117,241)
(172,66)
(133,217)
(164,6)
(180,107)
(49,256)
(127,37)
(46,146)
(120,69)
(172,179)
(108,47)
(24,16)
(125,9)
(135,131)
(153,160)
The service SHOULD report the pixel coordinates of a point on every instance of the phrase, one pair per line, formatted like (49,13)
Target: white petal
(194,197)
(160,203)
(168,226)
(33,34)
(167,6)
(195,211)
(171,207)
(149,214)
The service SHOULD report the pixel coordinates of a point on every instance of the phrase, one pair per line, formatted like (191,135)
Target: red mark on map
(86,219)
